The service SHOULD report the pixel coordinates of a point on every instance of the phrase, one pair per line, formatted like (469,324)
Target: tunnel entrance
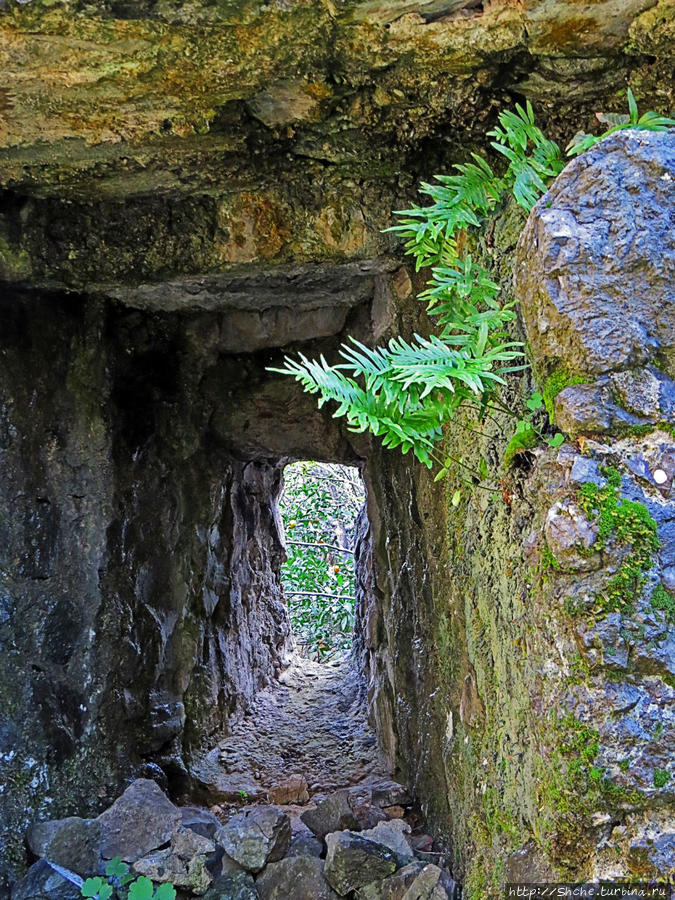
(320,505)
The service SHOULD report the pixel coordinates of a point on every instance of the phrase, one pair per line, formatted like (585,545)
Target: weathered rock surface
(353,861)
(570,536)
(73,843)
(393,835)
(401,71)
(42,881)
(135,650)
(301,878)
(142,819)
(334,813)
(189,848)
(290,790)
(546,662)
(430,885)
(394,887)
(305,845)
(183,863)
(143,828)
(312,715)
(594,265)
(233,886)
(199,820)
(256,837)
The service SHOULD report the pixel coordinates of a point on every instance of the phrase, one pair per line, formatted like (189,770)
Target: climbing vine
(406,391)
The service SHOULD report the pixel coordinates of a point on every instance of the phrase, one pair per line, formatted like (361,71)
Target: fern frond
(405,392)
(649,121)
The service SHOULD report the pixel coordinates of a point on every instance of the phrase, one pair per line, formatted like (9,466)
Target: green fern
(407,391)
(650,121)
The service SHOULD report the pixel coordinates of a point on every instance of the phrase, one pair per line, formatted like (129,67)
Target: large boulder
(300,878)
(256,837)
(594,276)
(141,820)
(138,823)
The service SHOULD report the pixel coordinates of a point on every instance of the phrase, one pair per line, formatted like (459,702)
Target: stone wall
(520,649)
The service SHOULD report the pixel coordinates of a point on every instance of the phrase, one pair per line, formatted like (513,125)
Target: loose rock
(360,800)
(389,793)
(332,814)
(42,881)
(292,790)
(183,863)
(392,888)
(392,834)
(256,837)
(201,821)
(299,878)
(139,821)
(305,844)
(233,886)
(394,812)
(353,861)
(72,843)
(431,884)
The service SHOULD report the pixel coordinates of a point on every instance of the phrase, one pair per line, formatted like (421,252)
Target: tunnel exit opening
(320,506)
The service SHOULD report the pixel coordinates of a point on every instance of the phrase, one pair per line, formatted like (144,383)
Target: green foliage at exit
(319,505)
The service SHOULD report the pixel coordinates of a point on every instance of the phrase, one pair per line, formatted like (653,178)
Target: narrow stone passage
(312,723)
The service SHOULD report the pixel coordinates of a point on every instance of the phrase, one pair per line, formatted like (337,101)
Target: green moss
(624,765)
(554,384)
(498,818)
(642,430)
(548,560)
(574,607)
(14,262)
(579,744)
(663,601)
(571,786)
(525,438)
(475,884)
(661,778)
(616,795)
(631,525)
(579,669)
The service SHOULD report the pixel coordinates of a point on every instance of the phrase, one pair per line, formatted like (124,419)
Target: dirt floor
(311,722)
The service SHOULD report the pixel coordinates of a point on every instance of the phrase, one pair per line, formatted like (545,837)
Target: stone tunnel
(143,445)
(189,192)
